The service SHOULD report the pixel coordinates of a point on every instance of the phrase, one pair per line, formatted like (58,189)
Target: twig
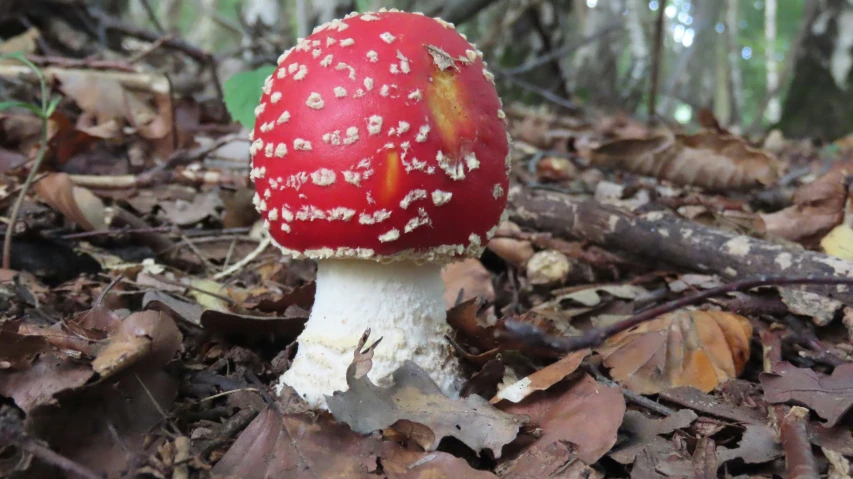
(111,23)
(595,337)
(189,233)
(552,97)
(146,4)
(10,433)
(638,399)
(563,51)
(790,423)
(248,259)
(150,49)
(87,63)
(656,65)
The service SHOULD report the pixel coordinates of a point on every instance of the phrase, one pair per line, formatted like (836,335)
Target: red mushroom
(380,150)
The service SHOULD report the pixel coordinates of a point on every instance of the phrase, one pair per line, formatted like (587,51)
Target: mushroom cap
(381,136)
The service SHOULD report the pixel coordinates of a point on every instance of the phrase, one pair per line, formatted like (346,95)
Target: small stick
(596,337)
(243,262)
(790,423)
(9,433)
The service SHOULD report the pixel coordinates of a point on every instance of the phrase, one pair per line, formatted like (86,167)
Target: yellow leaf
(839,242)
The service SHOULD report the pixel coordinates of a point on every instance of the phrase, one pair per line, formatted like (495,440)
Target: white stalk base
(401,302)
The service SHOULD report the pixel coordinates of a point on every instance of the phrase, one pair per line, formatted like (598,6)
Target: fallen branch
(531,334)
(790,422)
(669,239)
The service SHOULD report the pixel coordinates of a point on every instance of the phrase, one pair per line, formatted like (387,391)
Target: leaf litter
(128,346)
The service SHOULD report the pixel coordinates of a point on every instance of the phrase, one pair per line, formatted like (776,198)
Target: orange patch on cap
(392,177)
(448,102)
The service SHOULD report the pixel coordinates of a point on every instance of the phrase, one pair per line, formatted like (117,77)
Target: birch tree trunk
(774,107)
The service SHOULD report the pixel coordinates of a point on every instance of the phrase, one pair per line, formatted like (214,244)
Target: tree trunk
(593,67)
(723,97)
(734,60)
(699,78)
(774,108)
(639,46)
(821,91)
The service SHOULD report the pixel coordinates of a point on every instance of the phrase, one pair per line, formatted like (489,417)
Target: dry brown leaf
(579,418)
(470,278)
(36,386)
(683,348)
(829,396)
(187,213)
(416,400)
(301,446)
(759,444)
(542,379)
(105,98)
(642,430)
(145,338)
(78,204)
(705,159)
(16,349)
(26,42)
(818,207)
(513,251)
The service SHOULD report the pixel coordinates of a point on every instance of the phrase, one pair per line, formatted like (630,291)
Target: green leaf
(51,107)
(242,93)
(6,105)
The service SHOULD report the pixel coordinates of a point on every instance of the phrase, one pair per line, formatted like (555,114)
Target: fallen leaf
(141,339)
(470,278)
(683,348)
(513,251)
(542,379)
(464,319)
(415,398)
(642,429)
(49,374)
(829,396)
(78,204)
(160,301)
(485,381)
(580,418)
(104,425)
(301,446)
(707,159)
(818,207)
(18,350)
(758,444)
(592,296)
(24,43)
(187,213)
(839,242)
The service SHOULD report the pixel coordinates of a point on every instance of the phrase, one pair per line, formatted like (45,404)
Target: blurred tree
(821,91)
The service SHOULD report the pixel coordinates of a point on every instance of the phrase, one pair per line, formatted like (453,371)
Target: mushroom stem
(402,302)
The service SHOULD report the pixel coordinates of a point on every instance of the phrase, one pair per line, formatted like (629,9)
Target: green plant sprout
(44,112)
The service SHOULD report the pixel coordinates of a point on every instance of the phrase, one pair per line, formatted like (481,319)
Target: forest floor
(659,304)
